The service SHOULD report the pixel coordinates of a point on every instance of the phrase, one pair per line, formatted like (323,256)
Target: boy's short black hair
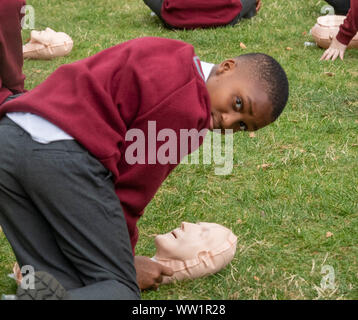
(274,78)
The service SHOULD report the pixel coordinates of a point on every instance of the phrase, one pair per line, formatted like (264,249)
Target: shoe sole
(46,288)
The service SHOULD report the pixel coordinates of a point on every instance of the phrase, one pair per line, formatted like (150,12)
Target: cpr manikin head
(47,44)
(195,250)
(326,28)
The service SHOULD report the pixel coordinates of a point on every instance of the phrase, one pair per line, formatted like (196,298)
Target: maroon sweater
(98,99)
(191,14)
(349,27)
(11,59)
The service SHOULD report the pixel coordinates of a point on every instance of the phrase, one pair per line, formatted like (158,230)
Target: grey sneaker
(46,288)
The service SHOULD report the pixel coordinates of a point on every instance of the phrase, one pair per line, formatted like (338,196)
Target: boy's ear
(226,65)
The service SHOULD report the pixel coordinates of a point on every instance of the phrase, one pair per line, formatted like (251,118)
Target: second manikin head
(47,44)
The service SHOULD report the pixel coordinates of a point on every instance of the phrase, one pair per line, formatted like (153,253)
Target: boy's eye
(243,126)
(238,104)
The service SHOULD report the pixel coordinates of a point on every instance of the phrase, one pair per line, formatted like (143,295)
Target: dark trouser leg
(248,11)
(59,211)
(340,6)
(155,6)
(13,97)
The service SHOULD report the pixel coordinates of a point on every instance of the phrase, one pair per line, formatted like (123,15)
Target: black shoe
(46,288)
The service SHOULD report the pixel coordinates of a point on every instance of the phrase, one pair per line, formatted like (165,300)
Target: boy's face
(238,101)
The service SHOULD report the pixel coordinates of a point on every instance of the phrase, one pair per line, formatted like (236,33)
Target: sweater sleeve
(349,27)
(11,59)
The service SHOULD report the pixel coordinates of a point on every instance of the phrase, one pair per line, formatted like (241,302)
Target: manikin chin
(195,250)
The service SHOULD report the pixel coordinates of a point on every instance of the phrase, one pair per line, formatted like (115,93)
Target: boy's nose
(228,120)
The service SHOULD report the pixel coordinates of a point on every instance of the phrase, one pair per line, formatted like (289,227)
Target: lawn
(292,196)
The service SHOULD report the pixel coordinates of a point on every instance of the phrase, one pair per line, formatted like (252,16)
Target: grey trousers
(60,213)
(248,10)
(340,6)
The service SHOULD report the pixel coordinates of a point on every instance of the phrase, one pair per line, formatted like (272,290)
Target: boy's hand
(335,49)
(150,273)
(258,5)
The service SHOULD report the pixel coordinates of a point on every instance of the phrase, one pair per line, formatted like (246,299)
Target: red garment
(349,27)
(11,59)
(98,99)
(191,14)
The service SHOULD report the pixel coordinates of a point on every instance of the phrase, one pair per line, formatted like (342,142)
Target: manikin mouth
(174,235)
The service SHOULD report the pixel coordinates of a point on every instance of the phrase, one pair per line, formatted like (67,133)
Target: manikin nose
(186,225)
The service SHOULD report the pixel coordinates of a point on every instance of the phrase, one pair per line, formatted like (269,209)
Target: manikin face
(186,242)
(238,102)
(195,250)
(44,36)
(48,36)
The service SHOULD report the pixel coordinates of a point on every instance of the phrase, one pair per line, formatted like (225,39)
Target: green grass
(280,214)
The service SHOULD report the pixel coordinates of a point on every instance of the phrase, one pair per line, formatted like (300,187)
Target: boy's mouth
(214,124)
(211,125)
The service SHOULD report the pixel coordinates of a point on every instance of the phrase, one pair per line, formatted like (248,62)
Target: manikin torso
(195,250)
(47,44)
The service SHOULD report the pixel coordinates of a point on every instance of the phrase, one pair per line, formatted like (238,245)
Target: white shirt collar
(207,67)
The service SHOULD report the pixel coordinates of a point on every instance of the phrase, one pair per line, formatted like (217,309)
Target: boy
(69,199)
(191,14)
(11,60)
(347,31)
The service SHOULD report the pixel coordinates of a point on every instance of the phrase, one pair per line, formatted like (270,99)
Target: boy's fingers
(167,271)
(324,55)
(158,279)
(341,55)
(329,54)
(335,55)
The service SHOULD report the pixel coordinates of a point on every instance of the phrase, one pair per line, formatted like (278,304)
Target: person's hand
(335,49)
(150,273)
(258,5)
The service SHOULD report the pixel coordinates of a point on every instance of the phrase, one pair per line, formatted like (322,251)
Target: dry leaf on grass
(252,135)
(329,74)
(353,73)
(289,48)
(239,221)
(256,278)
(329,234)
(264,166)
(242,45)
